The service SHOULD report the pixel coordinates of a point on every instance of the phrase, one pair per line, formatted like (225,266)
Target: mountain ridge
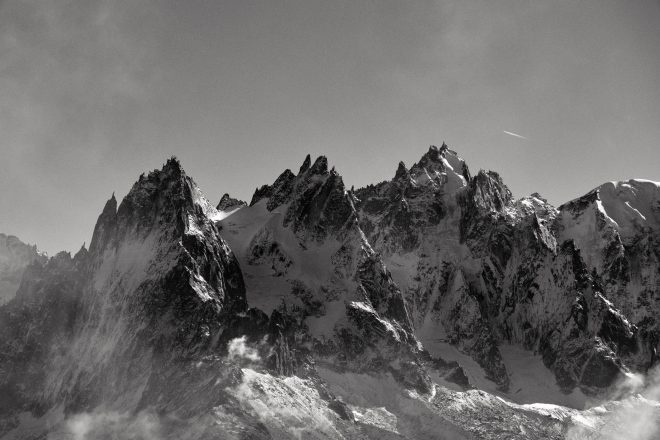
(313,285)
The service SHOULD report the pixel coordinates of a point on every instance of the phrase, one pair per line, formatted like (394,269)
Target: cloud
(635,417)
(110,425)
(514,135)
(237,349)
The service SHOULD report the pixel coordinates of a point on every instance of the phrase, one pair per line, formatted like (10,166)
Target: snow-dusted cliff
(616,228)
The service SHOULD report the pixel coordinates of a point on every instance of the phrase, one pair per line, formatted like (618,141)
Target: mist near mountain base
(111,425)
(635,417)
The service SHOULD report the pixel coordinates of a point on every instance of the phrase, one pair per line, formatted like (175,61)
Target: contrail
(515,135)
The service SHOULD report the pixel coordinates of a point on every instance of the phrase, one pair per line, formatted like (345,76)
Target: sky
(557,96)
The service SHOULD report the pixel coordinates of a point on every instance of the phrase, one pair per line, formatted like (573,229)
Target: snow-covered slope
(633,206)
(614,213)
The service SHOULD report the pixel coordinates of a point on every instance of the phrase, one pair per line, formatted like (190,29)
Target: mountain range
(434,305)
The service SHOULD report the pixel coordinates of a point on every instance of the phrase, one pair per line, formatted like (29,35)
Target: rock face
(15,257)
(325,313)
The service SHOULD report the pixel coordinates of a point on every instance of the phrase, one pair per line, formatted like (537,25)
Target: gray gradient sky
(92,93)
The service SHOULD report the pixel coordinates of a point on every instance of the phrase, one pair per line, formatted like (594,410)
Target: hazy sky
(92,93)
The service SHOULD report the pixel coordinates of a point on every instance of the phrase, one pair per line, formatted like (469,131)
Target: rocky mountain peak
(173,167)
(402,172)
(430,162)
(113,201)
(228,203)
(618,213)
(110,207)
(489,191)
(320,166)
(305,165)
(15,257)
(82,253)
(441,167)
(314,195)
(106,224)
(164,196)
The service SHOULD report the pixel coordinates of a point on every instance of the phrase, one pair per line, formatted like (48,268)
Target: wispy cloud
(238,349)
(635,417)
(514,135)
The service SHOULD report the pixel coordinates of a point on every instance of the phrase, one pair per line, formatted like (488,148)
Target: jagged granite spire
(287,183)
(305,165)
(281,189)
(320,166)
(166,206)
(105,225)
(401,172)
